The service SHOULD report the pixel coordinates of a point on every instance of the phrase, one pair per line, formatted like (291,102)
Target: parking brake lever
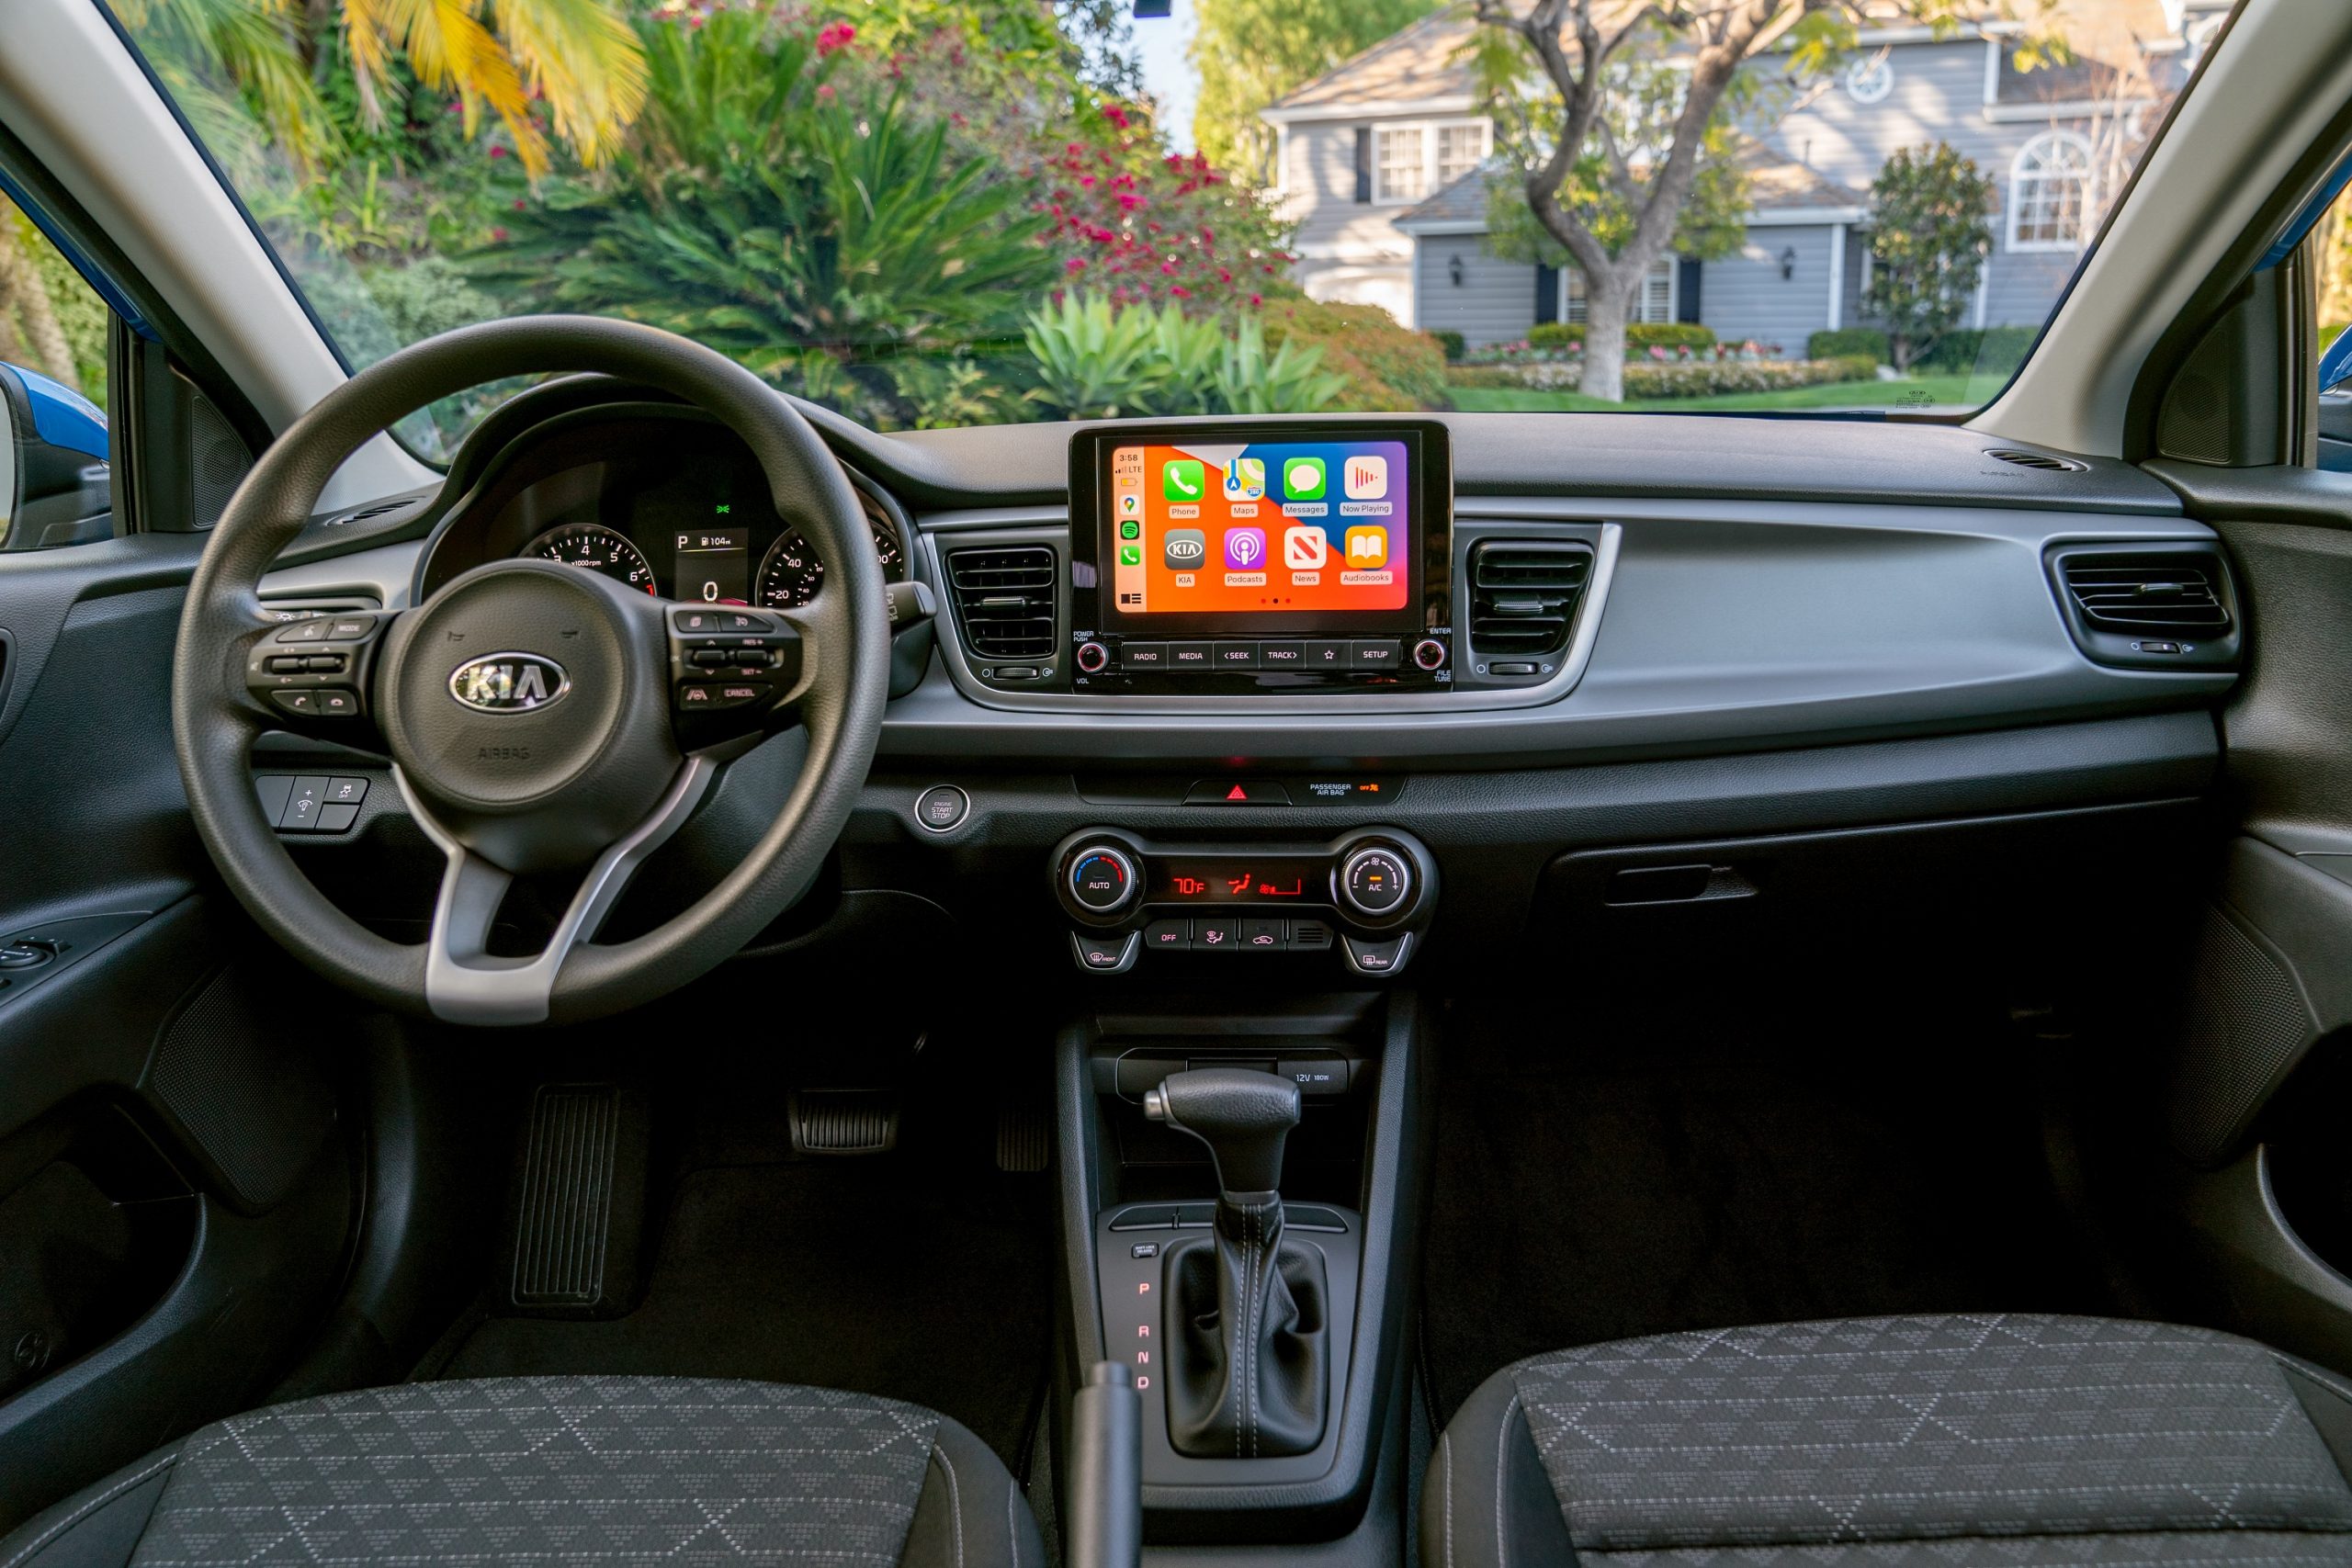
(1105,1500)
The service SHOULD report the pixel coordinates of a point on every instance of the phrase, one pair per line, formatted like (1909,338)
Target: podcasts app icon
(1244,549)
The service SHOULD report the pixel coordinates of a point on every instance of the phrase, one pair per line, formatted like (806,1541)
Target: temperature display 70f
(1239,879)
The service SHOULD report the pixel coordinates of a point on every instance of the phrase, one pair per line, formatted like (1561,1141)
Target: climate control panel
(1369,893)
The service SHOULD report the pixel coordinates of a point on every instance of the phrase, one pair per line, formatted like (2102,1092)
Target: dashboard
(654,498)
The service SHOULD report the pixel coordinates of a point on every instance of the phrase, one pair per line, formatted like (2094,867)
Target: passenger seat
(1943,1442)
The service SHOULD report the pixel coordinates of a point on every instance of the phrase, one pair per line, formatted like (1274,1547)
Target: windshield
(943,213)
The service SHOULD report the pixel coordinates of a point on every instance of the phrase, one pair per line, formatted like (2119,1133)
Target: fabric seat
(1943,1442)
(556,1470)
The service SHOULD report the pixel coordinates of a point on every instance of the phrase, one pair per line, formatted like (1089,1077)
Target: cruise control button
(743,621)
(695,621)
(1374,653)
(707,698)
(313,630)
(1261,936)
(1216,936)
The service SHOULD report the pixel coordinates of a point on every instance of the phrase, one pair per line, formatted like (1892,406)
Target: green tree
(1929,235)
(1249,52)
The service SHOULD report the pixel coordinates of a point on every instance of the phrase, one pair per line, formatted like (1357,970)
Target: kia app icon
(1185,548)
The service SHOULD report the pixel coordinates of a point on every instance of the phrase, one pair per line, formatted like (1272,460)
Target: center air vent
(1004,602)
(2035,461)
(1523,596)
(2147,606)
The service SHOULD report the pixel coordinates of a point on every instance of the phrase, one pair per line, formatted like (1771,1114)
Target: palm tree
(580,57)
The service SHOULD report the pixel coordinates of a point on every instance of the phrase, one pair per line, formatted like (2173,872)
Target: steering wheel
(539,719)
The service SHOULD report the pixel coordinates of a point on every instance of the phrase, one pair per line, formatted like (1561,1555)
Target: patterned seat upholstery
(563,1470)
(1941,1442)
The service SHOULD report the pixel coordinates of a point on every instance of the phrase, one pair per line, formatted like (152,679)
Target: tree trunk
(26,298)
(1605,298)
(1901,352)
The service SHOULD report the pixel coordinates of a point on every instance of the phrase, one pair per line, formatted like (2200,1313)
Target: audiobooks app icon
(1367,548)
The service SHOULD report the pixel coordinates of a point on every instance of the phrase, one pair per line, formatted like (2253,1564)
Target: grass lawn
(1927,390)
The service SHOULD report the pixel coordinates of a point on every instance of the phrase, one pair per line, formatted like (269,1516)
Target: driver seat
(603,1469)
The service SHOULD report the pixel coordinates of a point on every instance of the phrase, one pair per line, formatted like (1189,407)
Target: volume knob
(1094,658)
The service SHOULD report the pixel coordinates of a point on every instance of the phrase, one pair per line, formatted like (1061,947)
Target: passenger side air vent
(2036,460)
(1523,596)
(2148,606)
(1004,603)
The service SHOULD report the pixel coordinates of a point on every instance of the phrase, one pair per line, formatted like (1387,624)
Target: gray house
(1383,162)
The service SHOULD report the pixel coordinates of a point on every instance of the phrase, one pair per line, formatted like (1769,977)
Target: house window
(1410,162)
(2050,193)
(1402,170)
(1653,302)
(1870,80)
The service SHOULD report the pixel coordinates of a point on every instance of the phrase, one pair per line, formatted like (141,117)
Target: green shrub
(1483,375)
(1451,342)
(1386,368)
(1639,335)
(1838,342)
(1679,378)
(1096,362)
(1992,351)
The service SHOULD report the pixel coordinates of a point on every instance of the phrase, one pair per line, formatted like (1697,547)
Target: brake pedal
(844,1122)
(1025,1133)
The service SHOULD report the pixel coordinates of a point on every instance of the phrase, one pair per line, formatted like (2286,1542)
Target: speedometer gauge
(791,574)
(596,549)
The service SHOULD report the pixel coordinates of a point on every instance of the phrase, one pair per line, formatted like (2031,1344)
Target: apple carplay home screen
(1266,528)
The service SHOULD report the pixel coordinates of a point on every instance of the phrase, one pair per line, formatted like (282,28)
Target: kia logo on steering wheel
(508,682)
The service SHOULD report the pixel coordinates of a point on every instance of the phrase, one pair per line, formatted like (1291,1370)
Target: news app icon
(1246,480)
(1305,549)
(1245,550)
(1367,548)
(1366,477)
(1184,548)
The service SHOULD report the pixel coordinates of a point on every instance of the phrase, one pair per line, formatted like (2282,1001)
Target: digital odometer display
(1262,528)
(1239,879)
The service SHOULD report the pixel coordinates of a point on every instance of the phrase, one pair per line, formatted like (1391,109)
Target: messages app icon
(1303,479)
(1183,480)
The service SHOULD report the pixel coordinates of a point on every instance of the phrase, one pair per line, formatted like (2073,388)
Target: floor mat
(1696,1165)
(858,1274)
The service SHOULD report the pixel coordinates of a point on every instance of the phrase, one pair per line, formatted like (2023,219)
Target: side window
(55,483)
(2330,257)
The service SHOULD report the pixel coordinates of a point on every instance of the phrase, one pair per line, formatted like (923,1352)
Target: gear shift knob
(1243,1116)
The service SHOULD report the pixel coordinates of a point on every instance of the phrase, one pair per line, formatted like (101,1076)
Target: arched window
(2050,193)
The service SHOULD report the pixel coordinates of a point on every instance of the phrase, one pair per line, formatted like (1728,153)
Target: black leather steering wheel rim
(215,718)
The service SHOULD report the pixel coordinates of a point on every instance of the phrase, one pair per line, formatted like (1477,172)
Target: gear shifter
(1248,1347)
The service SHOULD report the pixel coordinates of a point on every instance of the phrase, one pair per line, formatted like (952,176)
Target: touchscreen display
(1263,527)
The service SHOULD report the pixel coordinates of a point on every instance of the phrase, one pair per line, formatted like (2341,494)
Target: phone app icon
(1246,480)
(1131,530)
(1244,549)
(1130,554)
(1305,549)
(1367,479)
(1184,548)
(1367,548)
(1183,480)
(1303,479)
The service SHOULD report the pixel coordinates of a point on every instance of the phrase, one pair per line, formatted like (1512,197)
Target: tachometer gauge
(790,574)
(597,548)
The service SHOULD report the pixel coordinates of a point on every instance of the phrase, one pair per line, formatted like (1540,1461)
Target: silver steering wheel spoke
(463,982)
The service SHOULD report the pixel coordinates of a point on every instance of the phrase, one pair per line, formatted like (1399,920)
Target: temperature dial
(1375,881)
(1102,879)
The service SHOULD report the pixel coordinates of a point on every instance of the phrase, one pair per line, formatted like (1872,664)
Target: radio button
(1147,655)
(1281,655)
(1235,655)
(1189,657)
(1327,653)
(1373,654)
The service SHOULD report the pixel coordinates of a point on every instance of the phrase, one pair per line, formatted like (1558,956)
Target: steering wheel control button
(302,812)
(1428,654)
(711,698)
(1384,956)
(337,701)
(336,818)
(1103,880)
(1374,653)
(943,807)
(1237,792)
(346,631)
(273,789)
(313,630)
(304,702)
(1374,881)
(695,623)
(346,792)
(1094,658)
(1105,952)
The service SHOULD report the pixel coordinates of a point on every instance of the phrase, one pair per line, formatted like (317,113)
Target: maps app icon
(1245,479)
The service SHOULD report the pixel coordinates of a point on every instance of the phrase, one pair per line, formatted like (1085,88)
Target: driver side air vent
(2147,606)
(1523,596)
(1004,603)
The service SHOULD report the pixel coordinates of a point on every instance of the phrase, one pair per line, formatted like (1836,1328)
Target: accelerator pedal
(576,1215)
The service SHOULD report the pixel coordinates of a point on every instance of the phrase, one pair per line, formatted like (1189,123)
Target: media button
(1189,657)
(1281,655)
(1146,656)
(1235,655)
(1383,653)
(1329,653)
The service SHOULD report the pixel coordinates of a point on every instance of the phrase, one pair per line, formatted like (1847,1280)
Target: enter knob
(1375,881)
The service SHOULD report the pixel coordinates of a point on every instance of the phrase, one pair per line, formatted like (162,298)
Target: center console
(1272,559)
